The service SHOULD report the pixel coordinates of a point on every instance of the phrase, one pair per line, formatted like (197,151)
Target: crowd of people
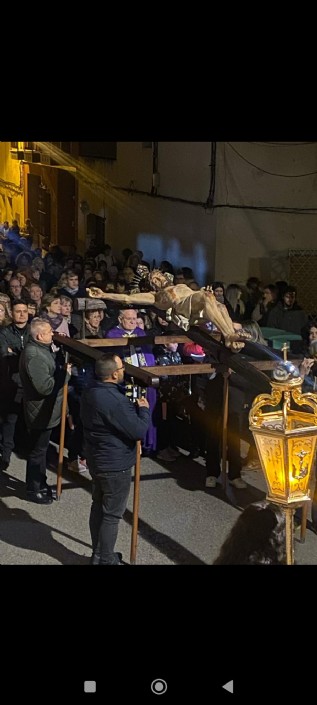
(39,295)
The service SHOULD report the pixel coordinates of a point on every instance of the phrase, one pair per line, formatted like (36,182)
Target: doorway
(95,230)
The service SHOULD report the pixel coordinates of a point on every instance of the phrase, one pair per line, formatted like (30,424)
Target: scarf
(93,331)
(54,322)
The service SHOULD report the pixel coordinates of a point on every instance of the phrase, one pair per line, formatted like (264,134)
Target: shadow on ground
(191,476)
(19,529)
(170,548)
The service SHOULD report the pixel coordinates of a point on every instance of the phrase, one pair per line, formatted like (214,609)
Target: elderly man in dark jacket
(42,383)
(112,425)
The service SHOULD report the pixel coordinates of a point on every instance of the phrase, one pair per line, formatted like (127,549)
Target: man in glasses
(112,425)
(140,356)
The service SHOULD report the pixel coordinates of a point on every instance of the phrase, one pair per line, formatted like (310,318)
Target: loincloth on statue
(183,306)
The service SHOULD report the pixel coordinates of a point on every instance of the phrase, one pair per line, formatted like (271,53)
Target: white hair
(38,325)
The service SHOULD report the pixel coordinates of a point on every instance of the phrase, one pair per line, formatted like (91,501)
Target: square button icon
(90,686)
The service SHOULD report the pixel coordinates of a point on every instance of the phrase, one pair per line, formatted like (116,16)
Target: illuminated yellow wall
(11,187)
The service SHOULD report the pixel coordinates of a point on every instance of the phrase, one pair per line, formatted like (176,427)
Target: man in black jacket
(287,314)
(112,425)
(13,339)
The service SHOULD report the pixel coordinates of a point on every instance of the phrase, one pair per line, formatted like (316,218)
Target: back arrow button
(228,686)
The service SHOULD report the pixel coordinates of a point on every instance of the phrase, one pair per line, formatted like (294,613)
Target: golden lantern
(286,442)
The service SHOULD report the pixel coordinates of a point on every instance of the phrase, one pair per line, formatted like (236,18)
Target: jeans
(36,464)
(110,492)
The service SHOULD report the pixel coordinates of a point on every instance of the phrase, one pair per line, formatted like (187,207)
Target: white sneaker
(238,483)
(253,465)
(78,466)
(166,455)
(211,481)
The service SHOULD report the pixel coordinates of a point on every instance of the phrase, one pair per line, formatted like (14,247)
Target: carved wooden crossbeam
(147,376)
(136,340)
(81,350)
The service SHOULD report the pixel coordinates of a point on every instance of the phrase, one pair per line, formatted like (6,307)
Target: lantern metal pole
(289,531)
(294,435)
(304,522)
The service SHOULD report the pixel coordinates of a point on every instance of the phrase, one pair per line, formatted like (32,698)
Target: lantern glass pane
(287,463)
(271,453)
(300,458)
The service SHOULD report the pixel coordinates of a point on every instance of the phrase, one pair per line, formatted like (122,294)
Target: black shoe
(4,465)
(117,555)
(95,559)
(48,491)
(120,561)
(195,453)
(39,498)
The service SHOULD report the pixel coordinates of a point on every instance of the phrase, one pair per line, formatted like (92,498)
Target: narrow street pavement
(180,521)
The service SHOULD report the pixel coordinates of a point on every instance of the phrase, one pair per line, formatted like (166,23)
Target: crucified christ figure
(187,307)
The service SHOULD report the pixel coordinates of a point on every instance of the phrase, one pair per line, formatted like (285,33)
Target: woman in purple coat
(140,357)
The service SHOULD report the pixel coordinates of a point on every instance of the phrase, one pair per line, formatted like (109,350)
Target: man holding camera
(112,425)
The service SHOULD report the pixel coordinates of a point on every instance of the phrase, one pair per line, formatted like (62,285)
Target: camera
(134,392)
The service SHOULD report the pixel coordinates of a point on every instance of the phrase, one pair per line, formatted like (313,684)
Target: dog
(257,537)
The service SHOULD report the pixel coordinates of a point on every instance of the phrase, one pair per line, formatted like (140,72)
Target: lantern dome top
(286,371)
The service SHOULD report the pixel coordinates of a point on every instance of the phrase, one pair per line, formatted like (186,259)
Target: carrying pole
(62,433)
(136,498)
(225,428)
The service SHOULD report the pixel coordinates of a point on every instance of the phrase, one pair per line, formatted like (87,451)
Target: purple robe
(145,359)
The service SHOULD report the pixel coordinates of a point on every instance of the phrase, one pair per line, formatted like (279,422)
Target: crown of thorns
(143,274)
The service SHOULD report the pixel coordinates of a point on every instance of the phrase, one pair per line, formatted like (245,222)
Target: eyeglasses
(120,368)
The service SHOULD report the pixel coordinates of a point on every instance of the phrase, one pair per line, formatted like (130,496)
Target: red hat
(193,349)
